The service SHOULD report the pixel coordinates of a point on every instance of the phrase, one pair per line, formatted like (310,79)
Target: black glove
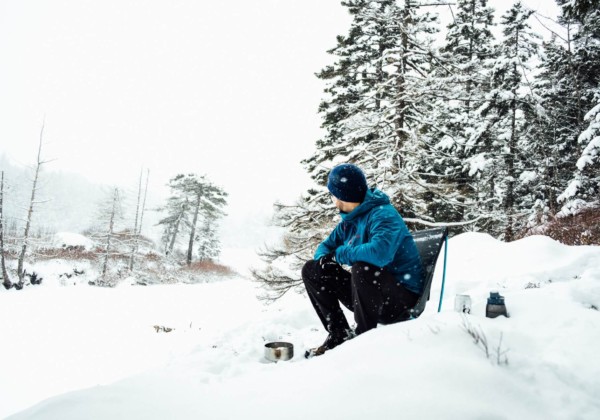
(328,262)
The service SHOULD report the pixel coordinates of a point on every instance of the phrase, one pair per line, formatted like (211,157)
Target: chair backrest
(429,243)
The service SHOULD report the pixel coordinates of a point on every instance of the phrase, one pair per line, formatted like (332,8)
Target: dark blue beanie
(347,183)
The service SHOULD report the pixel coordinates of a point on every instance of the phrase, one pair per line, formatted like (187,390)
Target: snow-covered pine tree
(401,146)
(583,189)
(351,81)
(209,244)
(376,104)
(578,9)
(459,136)
(377,101)
(506,108)
(193,199)
(208,202)
(553,129)
(353,97)
(175,220)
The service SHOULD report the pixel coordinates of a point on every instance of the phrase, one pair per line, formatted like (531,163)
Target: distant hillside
(67,202)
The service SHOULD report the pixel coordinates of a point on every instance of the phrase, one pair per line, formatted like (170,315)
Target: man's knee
(309,270)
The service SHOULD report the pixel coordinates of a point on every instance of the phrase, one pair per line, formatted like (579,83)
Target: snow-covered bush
(582,228)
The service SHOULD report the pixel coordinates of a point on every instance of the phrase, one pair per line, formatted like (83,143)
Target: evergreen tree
(460,136)
(177,212)
(585,186)
(506,108)
(376,103)
(193,199)
(583,189)
(578,9)
(553,131)
(209,245)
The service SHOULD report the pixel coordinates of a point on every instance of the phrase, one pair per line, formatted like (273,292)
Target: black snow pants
(373,294)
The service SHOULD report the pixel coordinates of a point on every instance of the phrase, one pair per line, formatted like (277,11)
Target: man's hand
(327,262)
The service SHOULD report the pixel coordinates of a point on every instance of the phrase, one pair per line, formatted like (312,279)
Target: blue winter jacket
(374,232)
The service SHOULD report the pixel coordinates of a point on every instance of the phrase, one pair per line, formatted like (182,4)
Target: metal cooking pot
(279,350)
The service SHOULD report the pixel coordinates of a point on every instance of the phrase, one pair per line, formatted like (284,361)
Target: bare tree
(144,202)
(139,216)
(32,202)
(5,279)
(111,231)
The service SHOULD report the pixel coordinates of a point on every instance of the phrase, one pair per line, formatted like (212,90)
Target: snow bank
(71,240)
(540,363)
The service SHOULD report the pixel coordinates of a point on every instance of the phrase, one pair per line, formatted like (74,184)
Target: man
(386,276)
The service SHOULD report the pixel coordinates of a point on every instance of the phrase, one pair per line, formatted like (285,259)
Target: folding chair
(429,243)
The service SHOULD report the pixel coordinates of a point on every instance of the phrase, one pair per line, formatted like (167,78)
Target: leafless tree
(5,279)
(111,231)
(144,202)
(139,216)
(32,202)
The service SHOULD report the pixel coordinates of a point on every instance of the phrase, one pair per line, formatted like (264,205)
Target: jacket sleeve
(333,241)
(386,232)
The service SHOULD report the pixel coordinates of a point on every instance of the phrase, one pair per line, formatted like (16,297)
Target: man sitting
(386,276)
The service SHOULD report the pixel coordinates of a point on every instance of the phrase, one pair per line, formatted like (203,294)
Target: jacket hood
(373,198)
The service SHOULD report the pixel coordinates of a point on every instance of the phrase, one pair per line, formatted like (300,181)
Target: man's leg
(326,288)
(397,300)
(377,296)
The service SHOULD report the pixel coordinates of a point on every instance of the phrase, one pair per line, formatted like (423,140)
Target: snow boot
(332,341)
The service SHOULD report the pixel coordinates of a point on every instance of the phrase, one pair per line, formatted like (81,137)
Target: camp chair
(429,244)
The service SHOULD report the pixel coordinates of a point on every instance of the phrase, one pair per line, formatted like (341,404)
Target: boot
(332,341)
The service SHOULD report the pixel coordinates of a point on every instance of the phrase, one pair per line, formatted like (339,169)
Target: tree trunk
(111,225)
(135,226)
(401,82)
(511,174)
(175,232)
(469,80)
(5,280)
(20,271)
(193,230)
(144,203)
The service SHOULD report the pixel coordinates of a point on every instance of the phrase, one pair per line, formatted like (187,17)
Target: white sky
(221,88)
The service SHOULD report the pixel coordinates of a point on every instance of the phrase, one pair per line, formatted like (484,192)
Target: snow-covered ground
(81,352)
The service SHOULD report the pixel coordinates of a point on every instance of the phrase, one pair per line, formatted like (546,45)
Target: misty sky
(222,88)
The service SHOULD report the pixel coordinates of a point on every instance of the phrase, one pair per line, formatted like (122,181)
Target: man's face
(344,206)
(337,203)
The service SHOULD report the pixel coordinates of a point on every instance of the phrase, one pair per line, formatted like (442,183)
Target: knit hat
(347,183)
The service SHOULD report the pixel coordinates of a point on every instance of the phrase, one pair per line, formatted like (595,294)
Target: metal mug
(279,350)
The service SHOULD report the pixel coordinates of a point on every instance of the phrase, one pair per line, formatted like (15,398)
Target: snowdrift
(99,350)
